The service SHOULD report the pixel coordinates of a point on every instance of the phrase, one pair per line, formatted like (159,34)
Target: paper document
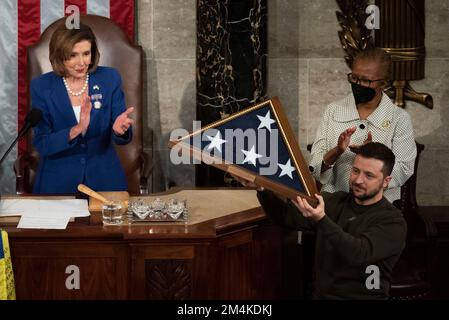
(45,214)
(44,220)
(17,207)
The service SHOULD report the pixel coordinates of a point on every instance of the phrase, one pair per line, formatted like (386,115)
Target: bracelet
(328,165)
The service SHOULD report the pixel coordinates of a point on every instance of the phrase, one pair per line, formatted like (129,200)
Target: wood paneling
(234,257)
(40,270)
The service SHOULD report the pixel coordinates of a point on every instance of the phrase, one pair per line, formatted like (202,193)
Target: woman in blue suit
(84,112)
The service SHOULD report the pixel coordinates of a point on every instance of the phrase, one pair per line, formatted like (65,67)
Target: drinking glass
(112,213)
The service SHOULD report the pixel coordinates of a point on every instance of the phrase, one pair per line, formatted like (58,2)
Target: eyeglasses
(364,82)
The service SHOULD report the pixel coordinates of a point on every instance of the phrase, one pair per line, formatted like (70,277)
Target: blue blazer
(90,159)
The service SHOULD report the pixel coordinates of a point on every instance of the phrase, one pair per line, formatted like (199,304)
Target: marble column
(231,56)
(231,63)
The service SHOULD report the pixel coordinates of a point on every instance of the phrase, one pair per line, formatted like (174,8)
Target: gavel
(86,190)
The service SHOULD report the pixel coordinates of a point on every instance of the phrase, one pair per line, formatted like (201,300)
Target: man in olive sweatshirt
(359,235)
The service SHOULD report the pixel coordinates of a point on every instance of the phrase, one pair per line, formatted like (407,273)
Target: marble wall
(307,71)
(231,56)
(167,33)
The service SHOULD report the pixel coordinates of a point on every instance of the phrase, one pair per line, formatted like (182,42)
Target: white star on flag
(287,169)
(216,142)
(265,122)
(251,156)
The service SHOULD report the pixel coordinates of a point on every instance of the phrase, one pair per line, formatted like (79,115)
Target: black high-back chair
(412,275)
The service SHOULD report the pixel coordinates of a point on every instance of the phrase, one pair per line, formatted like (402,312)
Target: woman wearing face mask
(366,115)
(84,113)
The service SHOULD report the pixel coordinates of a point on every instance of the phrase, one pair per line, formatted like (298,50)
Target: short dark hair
(379,151)
(62,42)
(378,55)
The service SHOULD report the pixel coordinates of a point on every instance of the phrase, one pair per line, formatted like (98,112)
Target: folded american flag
(256,144)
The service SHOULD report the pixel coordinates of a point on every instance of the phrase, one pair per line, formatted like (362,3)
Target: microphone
(31,120)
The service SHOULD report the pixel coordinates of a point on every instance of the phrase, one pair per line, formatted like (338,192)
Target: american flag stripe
(28,32)
(99,7)
(122,12)
(50,11)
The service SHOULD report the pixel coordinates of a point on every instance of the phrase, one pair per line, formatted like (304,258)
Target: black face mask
(362,94)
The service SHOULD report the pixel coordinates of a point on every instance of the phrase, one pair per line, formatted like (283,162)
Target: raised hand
(332,155)
(86,107)
(123,122)
(308,211)
(344,139)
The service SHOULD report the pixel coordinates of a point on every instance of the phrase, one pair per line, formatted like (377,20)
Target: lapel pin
(386,123)
(97,104)
(96,87)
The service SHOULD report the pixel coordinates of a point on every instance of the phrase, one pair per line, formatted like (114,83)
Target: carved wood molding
(168,279)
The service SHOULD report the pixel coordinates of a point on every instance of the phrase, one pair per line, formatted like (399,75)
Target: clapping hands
(86,107)
(123,122)
(345,138)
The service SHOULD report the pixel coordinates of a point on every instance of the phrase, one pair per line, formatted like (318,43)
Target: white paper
(76,207)
(16,207)
(36,207)
(44,220)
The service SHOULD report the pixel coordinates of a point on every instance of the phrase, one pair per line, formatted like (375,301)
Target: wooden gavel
(85,189)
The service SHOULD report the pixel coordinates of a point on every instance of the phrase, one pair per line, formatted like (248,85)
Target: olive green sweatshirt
(355,244)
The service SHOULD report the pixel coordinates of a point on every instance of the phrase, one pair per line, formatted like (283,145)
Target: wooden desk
(236,256)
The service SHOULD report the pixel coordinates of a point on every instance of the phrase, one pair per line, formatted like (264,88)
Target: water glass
(112,213)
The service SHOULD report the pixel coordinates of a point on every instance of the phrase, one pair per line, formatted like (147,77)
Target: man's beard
(366,196)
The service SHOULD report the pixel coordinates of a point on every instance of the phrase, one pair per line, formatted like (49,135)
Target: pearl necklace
(79,92)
